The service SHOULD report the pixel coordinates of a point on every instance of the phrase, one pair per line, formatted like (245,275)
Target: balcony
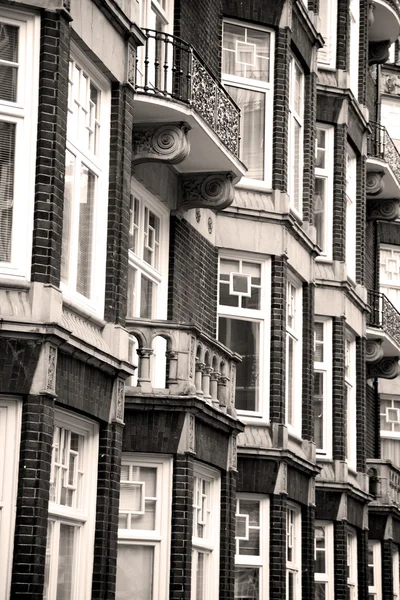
(173,85)
(386,21)
(383,165)
(384,480)
(383,323)
(190,363)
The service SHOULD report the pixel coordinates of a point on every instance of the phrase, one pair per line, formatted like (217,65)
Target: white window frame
(352,579)
(268,90)
(294,305)
(24,114)
(389,286)
(298,118)
(261,561)
(396,573)
(328,17)
(375,590)
(261,316)
(354,17)
(83,518)
(325,367)
(384,432)
(328,577)
(293,541)
(351,212)
(351,394)
(99,166)
(10,432)
(326,175)
(147,8)
(210,544)
(160,537)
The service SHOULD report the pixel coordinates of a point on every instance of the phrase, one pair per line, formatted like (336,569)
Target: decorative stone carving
(198,215)
(373,351)
(232,453)
(120,399)
(281,480)
(371,11)
(154,143)
(390,83)
(204,190)
(131,66)
(375,183)
(191,433)
(387,210)
(378,52)
(210,225)
(311,492)
(51,369)
(386,368)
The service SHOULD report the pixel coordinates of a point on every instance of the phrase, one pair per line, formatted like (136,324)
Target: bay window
(86,185)
(243,326)
(352,571)
(328,16)
(72,508)
(144,527)
(351,212)
(323,195)
(351,406)
(247,72)
(251,557)
(10,428)
(324,578)
(293,553)
(374,570)
(294,324)
(295,137)
(205,540)
(323,387)
(19,77)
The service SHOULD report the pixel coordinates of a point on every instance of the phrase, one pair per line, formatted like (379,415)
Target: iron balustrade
(381,145)
(170,68)
(384,315)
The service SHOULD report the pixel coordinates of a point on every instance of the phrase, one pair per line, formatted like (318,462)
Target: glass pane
(147,520)
(250,547)
(241,526)
(146,297)
(131,497)
(200,576)
(65,562)
(240,284)
(296,164)
(318,409)
(320,211)
(227,267)
(134,572)
(7,158)
(85,232)
(68,203)
(247,583)
(8,54)
(251,508)
(320,591)
(252,129)
(225,298)
(243,337)
(131,308)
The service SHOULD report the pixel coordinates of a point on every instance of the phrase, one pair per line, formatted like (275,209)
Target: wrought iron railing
(170,68)
(381,145)
(384,315)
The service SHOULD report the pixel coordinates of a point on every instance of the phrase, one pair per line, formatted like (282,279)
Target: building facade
(199,299)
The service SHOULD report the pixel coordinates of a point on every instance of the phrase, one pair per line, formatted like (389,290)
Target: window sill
(77,307)
(253,185)
(12,281)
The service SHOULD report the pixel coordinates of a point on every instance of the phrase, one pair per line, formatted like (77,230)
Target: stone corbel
(386,368)
(373,351)
(206,190)
(386,210)
(167,144)
(44,380)
(375,183)
(378,52)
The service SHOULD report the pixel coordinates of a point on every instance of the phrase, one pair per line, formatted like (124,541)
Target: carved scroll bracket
(386,368)
(373,351)
(378,52)
(375,183)
(167,144)
(206,190)
(386,210)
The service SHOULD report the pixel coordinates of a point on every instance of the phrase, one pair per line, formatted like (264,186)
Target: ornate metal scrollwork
(386,368)
(373,351)
(154,143)
(204,190)
(375,183)
(387,210)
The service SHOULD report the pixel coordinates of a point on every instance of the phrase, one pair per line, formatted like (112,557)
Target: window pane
(147,288)
(251,547)
(65,562)
(252,106)
(67,216)
(131,308)
(200,576)
(7,157)
(135,572)
(85,233)
(320,210)
(320,591)
(247,583)
(251,508)
(243,337)
(8,54)
(319,410)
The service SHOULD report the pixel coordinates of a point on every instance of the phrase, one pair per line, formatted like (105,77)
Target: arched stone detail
(373,351)
(154,143)
(378,52)
(387,210)
(375,183)
(386,368)
(206,190)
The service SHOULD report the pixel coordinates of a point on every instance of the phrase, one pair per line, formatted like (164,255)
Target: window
(144,527)
(72,509)
(396,574)
(323,387)
(247,67)
(10,427)
(374,571)
(324,582)
(323,199)
(205,541)
(351,406)
(295,141)
(156,14)
(328,16)
(390,112)
(243,327)
(389,259)
(19,66)
(293,553)
(251,573)
(294,324)
(148,256)
(86,185)
(352,565)
(354,45)
(351,199)
(390,416)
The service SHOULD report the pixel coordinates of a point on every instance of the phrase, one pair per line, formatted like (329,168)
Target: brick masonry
(277,554)
(338,390)
(278,339)
(340,560)
(361,379)
(307,551)
(308,362)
